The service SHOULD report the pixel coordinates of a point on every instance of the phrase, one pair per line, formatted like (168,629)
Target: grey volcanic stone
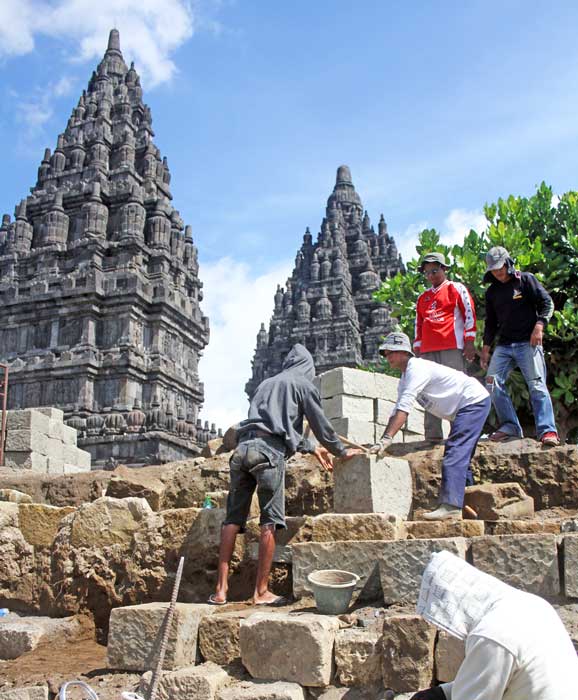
(449,654)
(199,682)
(247,690)
(408,652)
(358,657)
(571,566)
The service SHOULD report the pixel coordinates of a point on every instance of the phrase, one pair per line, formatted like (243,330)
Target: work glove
(430,694)
(381,447)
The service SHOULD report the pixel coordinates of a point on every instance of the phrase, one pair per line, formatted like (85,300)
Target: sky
(437,107)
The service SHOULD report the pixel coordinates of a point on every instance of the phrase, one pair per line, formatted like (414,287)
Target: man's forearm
(395,423)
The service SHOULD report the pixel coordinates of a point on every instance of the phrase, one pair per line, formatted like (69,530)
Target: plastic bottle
(207,503)
(4,612)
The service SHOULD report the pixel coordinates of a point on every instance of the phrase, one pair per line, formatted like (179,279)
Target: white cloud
(236,302)
(150,29)
(36,110)
(407,240)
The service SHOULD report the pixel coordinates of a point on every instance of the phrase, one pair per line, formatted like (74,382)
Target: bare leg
(266,551)
(228,537)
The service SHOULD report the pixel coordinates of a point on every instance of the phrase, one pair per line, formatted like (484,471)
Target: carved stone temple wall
(327,303)
(99,286)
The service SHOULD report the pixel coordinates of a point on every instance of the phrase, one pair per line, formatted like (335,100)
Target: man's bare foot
(264,598)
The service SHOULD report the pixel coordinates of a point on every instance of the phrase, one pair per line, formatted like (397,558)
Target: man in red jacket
(445,326)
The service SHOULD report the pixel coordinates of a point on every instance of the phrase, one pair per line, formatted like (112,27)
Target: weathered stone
(528,562)
(39,523)
(383,411)
(402,563)
(55,465)
(360,558)
(299,648)
(332,527)
(52,413)
(358,657)
(219,636)
(38,692)
(199,682)
(523,527)
(386,387)
(345,380)
(68,435)
(247,690)
(358,431)
(365,484)
(408,652)
(28,419)
(353,407)
(26,441)
(449,654)
(568,613)
(495,501)
(21,634)
(26,460)
(8,514)
(136,482)
(135,633)
(108,521)
(569,525)
(14,496)
(571,566)
(212,448)
(426,529)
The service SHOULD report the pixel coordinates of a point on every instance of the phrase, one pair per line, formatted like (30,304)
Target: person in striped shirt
(445,326)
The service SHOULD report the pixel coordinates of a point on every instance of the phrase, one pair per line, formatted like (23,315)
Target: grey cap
(396,341)
(433,258)
(496,258)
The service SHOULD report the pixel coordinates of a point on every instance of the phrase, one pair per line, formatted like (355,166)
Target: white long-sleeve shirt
(441,390)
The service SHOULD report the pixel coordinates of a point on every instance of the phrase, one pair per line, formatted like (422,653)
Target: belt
(251,434)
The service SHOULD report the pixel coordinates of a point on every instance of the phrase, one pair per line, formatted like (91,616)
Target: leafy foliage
(541,234)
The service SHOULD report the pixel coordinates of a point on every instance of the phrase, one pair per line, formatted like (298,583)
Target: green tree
(541,234)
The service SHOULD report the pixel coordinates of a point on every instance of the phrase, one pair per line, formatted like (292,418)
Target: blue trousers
(460,445)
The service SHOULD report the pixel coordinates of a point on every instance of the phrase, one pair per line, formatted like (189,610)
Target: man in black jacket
(517,310)
(271,434)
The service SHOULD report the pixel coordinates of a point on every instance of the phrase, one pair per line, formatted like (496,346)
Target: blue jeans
(466,429)
(530,360)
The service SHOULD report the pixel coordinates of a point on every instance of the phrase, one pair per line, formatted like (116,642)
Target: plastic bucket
(332,589)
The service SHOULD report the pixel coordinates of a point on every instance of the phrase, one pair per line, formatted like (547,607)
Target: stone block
(8,514)
(358,557)
(569,525)
(495,501)
(383,411)
(54,448)
(28,419)
(282,554)
(298,530)
(26,441)
(365,484)
(386,387)
(332,527)
(409,437)
(108,521)
(402,563)
(68,435)
(414,423)
(55,430)
(358,657)
(219,636)
(528,562)
(523,527)
(299,649)
(32,461)
(449,654)
(361,432)
(39,523)
(346,380)
(408,652)
(571,566)
(75,459)
(199,682)
(17,638)
(36,692)
(54,414)
(55,465)
(135,633)
(263,690)
(14,496)
(425,529)
(353,407)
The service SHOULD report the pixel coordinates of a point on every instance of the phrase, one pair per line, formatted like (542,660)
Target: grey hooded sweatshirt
(280,403)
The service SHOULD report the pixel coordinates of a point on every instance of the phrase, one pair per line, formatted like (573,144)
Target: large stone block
(358,657)
(17,638)
(358,557)
(523,527)
(386,387)
(199,682)
(39,523)
(247,690)
(135,633)
(33,461)
(449,654)
(291,648)
(383,411)
(495,501)
(55,430)
(54,449)
(408,652)
(54,414)
(55,465)
(528,562)
(26,441)
(219,636)
(571,566)
(68,435)
(332,527)
(361,432)
(36,692)
(402,563)
(108,521)
(365,484)
(27,419)
(435,529)
(353,407)
(14,496)
(346,380)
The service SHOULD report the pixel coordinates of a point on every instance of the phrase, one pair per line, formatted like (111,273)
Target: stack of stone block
(359,405)
(38,440)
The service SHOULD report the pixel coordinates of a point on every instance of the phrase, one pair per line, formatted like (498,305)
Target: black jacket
(280,403)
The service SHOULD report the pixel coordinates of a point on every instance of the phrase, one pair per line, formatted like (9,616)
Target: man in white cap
(516,647)
(517,310)
(445,326)
(448,394)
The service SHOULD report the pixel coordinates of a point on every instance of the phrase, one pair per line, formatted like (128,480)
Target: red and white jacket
(445,318)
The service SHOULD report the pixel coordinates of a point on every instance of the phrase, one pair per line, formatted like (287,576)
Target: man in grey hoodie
(270,435)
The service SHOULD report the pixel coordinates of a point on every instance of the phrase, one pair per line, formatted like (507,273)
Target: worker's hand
(430,694)
(485,357)
(381,447)
(324,457)
(469,350)
(537,335)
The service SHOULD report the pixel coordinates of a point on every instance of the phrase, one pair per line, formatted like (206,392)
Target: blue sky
(437,107)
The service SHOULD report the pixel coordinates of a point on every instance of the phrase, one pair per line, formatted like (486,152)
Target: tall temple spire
(329,302)
(113,41)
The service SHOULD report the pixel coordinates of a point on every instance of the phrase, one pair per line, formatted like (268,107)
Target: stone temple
(99,286)
(327,304)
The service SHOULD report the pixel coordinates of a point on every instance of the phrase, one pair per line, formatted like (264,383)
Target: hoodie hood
(454,596)
(299,360)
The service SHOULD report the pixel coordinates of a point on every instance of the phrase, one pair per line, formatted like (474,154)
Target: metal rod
(4,395)
(167,621)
